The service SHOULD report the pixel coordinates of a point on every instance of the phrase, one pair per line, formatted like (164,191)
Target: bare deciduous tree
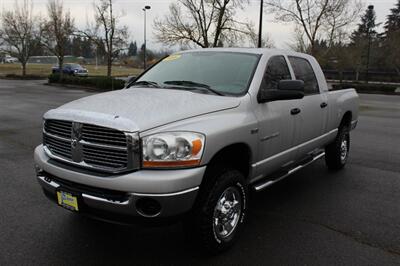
(18,32)
(266,40)
(205,23)
(56,30)
(316,18)
(106,33)
(297,43)
(342,13)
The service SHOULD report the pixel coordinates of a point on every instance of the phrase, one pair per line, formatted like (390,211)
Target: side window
(304,71)
(277,69)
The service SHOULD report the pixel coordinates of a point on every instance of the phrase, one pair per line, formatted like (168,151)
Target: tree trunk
(60,66)
(109,66)
(312,48)
(219,25)
(24,69)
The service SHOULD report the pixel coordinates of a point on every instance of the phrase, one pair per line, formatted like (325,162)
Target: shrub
(26,77)
(54,78)
(100,82)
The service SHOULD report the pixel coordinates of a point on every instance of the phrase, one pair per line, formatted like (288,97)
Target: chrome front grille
(58,128)
(105,157)
(103,135)
(58,146)
(91,146)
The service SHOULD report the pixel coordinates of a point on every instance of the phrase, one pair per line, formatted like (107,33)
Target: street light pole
(260,25)
(371,8)
(144,50)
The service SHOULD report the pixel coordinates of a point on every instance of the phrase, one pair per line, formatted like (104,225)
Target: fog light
(148,207)
(38,169)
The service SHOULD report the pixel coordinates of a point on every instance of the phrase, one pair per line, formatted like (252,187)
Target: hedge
(100,82)
(26,77)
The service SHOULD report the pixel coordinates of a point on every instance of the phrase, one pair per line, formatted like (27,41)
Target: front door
(276,123)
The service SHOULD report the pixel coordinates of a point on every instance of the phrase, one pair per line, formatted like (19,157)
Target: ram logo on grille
(74,143)
(76,146)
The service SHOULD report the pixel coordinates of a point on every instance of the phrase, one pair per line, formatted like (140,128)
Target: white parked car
(10,60)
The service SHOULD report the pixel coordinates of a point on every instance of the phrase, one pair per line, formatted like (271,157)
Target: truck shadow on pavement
(273,218)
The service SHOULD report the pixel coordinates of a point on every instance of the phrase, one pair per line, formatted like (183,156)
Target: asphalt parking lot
(315,217)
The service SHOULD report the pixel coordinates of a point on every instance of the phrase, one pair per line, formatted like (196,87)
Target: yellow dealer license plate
(67,200)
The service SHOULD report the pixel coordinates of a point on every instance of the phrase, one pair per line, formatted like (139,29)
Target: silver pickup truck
(192,136)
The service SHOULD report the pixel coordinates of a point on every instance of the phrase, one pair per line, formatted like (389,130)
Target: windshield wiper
(145,83)
(190,84)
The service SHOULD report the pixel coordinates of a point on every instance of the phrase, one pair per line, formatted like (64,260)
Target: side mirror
(291,85)
(287,90)
(130,80)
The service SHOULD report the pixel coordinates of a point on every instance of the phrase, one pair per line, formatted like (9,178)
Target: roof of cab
(263,51)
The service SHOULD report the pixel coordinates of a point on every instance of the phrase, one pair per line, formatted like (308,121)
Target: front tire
(337,153)
(219,213)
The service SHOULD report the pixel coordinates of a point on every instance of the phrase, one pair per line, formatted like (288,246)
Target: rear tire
(337,153)
(218,216)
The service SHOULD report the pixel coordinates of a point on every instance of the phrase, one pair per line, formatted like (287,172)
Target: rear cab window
(303,71)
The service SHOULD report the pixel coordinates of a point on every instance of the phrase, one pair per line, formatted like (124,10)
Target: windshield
(226,73)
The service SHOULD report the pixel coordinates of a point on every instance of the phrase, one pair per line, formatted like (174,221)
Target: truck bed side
(341,102)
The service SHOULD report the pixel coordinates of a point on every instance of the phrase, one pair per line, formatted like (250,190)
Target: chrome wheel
(344,149)
(227,212)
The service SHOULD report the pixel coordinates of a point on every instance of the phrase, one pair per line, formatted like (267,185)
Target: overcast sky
(81,10)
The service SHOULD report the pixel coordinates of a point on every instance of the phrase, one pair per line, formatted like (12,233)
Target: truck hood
(140,109)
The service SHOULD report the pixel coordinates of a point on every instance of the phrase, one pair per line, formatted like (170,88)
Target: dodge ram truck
(192,136)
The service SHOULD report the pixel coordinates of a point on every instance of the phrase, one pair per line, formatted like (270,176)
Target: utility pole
(97,63)
(144,50)
(371,8)
(260,26)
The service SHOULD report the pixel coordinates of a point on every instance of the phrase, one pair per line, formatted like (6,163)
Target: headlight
(172,149)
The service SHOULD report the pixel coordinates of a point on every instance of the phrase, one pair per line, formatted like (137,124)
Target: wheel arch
(237,156)
(346,119)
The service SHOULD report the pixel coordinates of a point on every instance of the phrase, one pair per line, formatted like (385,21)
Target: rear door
(310,119)
(276,124)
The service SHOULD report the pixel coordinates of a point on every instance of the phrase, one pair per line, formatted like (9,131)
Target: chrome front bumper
(143,181)
(171,204)
(175,194)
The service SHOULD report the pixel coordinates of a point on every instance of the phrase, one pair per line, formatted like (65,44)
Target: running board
(288,173)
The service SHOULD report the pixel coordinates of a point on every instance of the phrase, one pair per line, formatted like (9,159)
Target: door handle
(323,105)
(295,111)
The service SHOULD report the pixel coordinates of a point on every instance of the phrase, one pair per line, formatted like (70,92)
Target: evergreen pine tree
(368,22)
(392,38)
(88,49)
(132,50)
(76,46)
(362,40)
(393,20)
